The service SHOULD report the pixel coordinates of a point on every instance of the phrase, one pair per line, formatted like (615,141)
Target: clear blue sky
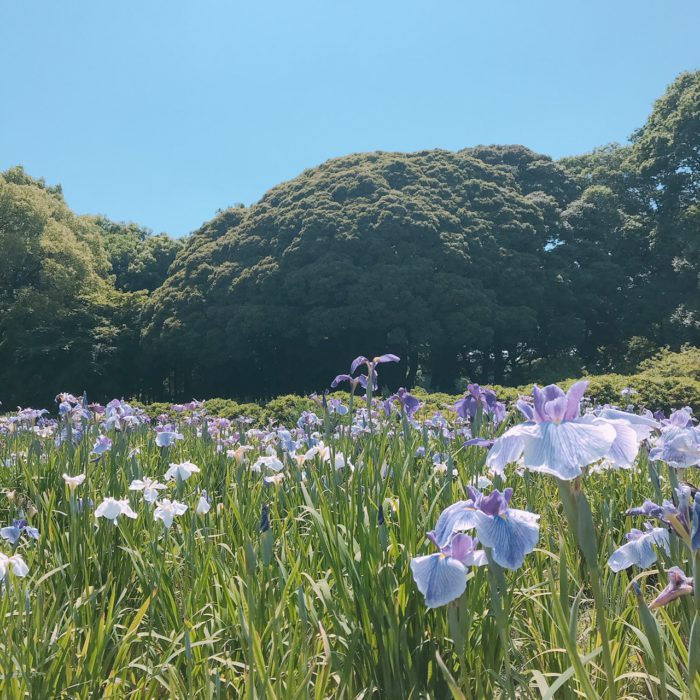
(162,111)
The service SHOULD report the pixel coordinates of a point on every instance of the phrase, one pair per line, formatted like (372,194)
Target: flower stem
(580,519)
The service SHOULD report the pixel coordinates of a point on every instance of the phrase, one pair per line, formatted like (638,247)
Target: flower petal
(439,578)
(562,449)
(510,535)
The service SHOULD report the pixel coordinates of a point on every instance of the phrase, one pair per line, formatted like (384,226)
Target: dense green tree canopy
(492,263)
(139,259)
(433,254)
(53,283)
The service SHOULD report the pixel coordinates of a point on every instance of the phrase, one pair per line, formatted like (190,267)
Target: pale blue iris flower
(14,531)
(557,440)
(509,533)
(639,548)
(442,577)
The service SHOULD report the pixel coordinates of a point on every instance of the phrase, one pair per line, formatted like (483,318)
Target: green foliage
(286,409)
(55,296)
(139,259)
(665,382)
(323,604)
(492,264)
(403,250)
(674,364)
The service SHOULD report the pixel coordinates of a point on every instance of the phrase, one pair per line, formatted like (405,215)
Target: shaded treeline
(493,263)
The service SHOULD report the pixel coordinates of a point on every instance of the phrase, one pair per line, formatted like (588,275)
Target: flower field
(540,549)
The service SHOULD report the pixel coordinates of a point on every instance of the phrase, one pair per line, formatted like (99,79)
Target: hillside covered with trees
(493,263)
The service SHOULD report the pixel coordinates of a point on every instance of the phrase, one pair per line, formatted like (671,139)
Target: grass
(322,605)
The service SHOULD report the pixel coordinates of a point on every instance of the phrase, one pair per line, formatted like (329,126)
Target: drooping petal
(639,550)
(441,579)
(11,534)
(526,409)
(19,566)
(341,378)
(625,447)
(455,518)
(562,449)
(361,359)
(510,536)
(387,357)
(510,446)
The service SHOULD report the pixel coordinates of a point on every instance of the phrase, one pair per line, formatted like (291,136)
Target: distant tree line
(493,263)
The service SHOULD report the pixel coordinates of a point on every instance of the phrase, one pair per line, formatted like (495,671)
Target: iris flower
(14,531)
(683,519)
(557,440)
(102,445)
(150,488)
(15,564)
(167,438)
(361,380)
(409,404)
(468,407)
(73,481)
(181,471)
(442,577)
(166,510)
(372,364)
(111,508)
(203,504)
(509,532)
(268,463)
(638,549)
(678,585)
(679,443)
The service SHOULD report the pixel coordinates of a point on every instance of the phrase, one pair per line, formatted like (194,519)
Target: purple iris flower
(679,443)
(442,577)
(103,444)
(638,549)
(409,404)
(683,418)
(337,406)
(14,531)
(683,519)
(556,439)
(468,407)
(360,380)
(371,367)
(509,532)
(308,419)
(648,509)
(678,585)
(371,364)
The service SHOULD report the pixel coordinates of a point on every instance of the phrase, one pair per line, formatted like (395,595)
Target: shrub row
(665,382)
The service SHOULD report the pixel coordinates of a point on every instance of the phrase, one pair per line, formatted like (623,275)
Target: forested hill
(493,263)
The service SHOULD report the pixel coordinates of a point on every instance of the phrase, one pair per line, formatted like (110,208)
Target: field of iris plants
(541,550)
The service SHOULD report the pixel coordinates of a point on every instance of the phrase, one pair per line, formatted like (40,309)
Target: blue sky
(160,111)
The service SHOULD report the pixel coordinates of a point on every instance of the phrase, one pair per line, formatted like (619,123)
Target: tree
(139,259)
(666,154)
(433,255)
(57,304)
